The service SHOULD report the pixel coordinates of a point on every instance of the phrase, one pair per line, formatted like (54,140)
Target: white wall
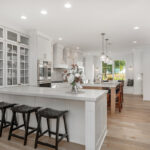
(146,75)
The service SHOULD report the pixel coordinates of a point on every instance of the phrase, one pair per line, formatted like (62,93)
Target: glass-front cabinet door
(24,40)
(1,32)
(24,67)
(12,36)
(12,52)
(1,62)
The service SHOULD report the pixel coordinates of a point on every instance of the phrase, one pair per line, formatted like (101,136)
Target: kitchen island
(87,117)
(105,85)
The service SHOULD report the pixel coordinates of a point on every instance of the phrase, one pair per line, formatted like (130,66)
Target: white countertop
(58,93)
(104,84)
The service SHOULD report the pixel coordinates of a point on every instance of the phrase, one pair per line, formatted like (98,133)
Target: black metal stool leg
(11,127)
(57,133)
(49,129)
(26,128)
(38,131)
(66,129)
(2,121)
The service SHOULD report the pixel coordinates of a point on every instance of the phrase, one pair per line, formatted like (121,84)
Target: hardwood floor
(128,130)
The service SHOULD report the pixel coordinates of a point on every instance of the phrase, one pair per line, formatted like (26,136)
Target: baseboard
(101,140)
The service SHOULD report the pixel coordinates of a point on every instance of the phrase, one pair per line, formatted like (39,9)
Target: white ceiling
(82,24)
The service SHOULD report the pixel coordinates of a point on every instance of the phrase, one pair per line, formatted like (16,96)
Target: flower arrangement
(75,77)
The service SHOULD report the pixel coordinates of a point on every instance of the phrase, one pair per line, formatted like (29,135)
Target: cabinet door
(12,63)
(24,40)
(12,36)
(24,67)
(1,62)
(1,32)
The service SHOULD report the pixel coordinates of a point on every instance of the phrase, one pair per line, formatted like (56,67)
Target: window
(119,70)
(107,71)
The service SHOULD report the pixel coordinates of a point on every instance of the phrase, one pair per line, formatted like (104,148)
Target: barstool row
(40,113)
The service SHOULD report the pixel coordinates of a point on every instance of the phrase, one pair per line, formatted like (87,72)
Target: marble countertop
(104,84)
(58,93)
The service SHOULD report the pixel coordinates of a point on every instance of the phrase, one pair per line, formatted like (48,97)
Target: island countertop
(103,84)
(58,93)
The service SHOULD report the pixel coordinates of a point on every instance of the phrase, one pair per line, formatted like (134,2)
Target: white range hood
(59,57)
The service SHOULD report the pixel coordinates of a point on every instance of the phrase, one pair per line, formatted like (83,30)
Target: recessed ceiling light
(134,42)
(136,28)
(60,38)
(43,12)
(68,5)
(23,17)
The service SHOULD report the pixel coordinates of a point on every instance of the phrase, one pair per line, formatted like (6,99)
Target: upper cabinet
(1,32)
(24,40)
(14,62)
(13,36)
(1,62)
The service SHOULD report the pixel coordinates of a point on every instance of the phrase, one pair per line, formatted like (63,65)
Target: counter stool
(26,112)
(49,113)
(3,107)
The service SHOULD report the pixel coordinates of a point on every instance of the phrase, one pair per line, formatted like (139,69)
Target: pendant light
(110,59)
(107,58)
(103,56)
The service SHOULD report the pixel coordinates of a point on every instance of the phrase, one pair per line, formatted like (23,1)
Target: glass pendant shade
(103,57)
(107,60)
(110,61)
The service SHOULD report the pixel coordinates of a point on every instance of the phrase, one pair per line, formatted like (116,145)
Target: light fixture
(43,12)
(136,28)
(103,56)
(110,59)
(134,42)
(23,17)
(60,38)
(107,58)
(67,5)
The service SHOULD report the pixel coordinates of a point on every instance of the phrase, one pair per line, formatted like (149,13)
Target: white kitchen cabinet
(24,66)
(14,49)
(12,36)
(1,62)
(12,63)
(1,32)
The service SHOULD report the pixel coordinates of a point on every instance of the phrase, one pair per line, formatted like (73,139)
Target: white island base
(87,117)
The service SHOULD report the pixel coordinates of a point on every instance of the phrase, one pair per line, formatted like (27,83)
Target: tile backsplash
(57,75)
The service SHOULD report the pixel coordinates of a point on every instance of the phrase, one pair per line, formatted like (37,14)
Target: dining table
(112,85)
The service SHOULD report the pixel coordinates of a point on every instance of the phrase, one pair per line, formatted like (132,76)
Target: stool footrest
(18,127)
(30,132)
(46,144)
(17,136)
(43,133)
